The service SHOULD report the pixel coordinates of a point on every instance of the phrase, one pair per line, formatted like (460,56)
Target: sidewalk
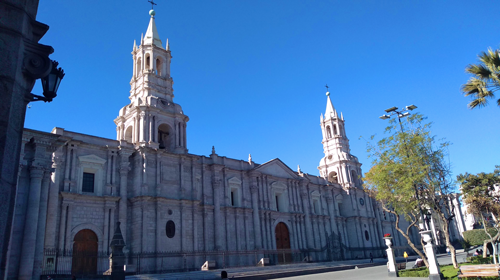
(281,271)
(275,271)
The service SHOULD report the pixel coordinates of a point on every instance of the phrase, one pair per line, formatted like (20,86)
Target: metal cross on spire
(326,87)
(152,4)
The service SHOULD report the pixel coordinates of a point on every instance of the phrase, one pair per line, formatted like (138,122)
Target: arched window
(332,178)
(367,236)
(164,137)
(158,67)
(170,229)
(335,130)
(354,177)
(328,132)
(148,62)
(128,134)
(138,67)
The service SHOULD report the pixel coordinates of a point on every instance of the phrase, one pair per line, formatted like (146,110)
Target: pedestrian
(371,258)
(448,251)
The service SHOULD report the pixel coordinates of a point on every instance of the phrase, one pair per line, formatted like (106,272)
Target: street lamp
(401,114)
(50,84)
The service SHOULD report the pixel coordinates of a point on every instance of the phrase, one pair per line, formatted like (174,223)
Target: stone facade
(167,199)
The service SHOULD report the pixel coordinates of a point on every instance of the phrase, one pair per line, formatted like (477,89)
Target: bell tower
(338,165)
(152,119)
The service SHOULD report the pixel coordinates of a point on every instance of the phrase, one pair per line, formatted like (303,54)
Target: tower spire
(330,110)
(152,37)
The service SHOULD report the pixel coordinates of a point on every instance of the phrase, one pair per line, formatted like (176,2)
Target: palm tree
(485,80)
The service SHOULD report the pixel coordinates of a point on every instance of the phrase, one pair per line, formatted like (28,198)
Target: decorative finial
(152,12)
(298,168)
(213,150)
(142,38)
(168,46)
(135,46)
(250,158)
(327,92)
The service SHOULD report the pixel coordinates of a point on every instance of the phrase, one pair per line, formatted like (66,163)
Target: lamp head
(405,114)
(411,107)
(392,109)
(50,83)
(384,117)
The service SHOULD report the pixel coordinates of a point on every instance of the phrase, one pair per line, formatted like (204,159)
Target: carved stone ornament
(37,63)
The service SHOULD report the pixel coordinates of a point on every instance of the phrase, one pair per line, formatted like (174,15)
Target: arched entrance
(84,253)
(283,242)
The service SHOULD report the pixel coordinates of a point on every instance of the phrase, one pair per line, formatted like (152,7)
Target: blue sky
(251,74)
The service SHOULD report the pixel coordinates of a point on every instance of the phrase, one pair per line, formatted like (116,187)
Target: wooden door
(283,242)
(84,253)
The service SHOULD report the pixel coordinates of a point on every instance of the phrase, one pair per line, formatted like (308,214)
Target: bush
(416,272)
(477,236)
(480,260)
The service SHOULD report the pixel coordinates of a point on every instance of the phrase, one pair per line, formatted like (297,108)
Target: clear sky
(251,74)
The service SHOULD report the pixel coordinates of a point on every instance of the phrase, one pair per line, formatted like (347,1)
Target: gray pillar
(40,233)
(122,204)
(308,225)
(217,215)
(53,203)
(31,224)
(256,220)
(62,226)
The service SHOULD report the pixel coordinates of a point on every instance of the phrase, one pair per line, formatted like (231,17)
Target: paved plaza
(345,270)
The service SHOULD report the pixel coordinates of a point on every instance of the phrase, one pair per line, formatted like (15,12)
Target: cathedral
(176,210)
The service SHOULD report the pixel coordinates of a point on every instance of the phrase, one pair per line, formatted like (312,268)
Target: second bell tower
(152,118)
(338,165)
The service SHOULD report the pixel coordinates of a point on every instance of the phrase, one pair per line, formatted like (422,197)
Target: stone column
(216,183)
(391,264)
(40,233)
(308,225)
(142,130)
(62,226)
(67,168)
(256,220)
(434,271)
(53,203)
(69,225)
(122,204)
(31,224)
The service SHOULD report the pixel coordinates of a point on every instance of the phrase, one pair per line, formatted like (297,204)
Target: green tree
(410,173)
(485,80)
(483,201)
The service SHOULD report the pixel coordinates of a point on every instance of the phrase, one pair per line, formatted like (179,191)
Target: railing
(95,264)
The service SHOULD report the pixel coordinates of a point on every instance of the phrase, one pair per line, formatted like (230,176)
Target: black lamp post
(50,84)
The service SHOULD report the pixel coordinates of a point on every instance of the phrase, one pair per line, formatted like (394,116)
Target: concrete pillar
(53,203)
(31,224)
(256,220)
(434,271)
(391,264)
(40,233)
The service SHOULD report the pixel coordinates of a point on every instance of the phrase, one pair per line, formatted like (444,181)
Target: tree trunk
(422,256)
(446,226)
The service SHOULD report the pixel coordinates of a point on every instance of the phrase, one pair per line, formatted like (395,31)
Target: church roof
(152,37)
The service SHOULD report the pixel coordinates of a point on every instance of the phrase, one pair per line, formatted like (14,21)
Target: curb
(289,273)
